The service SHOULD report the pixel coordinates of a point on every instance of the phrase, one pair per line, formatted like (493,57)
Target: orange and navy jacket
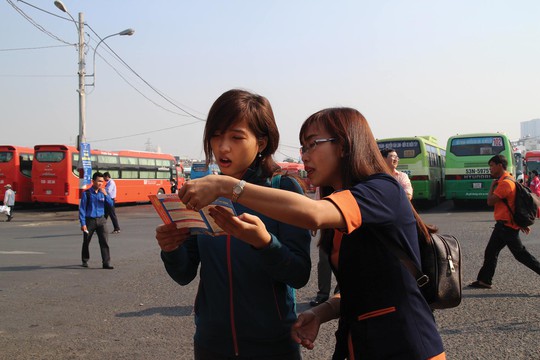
(506,191)
(245,303)
(383,313)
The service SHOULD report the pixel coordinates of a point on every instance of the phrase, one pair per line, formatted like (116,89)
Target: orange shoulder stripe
(350,209)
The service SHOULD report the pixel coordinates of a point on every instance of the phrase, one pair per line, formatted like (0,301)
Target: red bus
(16,169)
(137,173)
(298,170)
(531,162)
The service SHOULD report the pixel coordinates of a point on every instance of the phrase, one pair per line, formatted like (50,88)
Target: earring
(260,155)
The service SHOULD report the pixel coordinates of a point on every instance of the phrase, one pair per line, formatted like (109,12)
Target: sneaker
(9,218)
(84,264)
(108,266)
(116,231)
(318,300)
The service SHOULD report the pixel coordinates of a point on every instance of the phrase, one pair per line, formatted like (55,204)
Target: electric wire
(33,22)
(36,48)
(146,82)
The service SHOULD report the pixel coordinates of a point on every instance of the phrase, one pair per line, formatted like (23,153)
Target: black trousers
(500,237)
(110,211)
(98,225)
(11,207)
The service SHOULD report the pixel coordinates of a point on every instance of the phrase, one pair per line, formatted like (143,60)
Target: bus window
(145,174)
(6,156)
(106,159)
(50,156)
(124,160)
(474,146)
(147,162)
(129,174)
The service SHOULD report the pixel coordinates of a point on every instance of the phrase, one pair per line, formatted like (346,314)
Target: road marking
(16,252)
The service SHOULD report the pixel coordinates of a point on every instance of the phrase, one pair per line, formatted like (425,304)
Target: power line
(166,98)
(35,76)
(146,82)
(36,48)
(146,132)
(33,22)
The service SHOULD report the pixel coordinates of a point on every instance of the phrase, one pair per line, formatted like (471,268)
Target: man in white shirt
(9,200)
(110,211)
(392,159)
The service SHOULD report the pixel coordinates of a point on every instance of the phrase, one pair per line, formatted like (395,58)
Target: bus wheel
(161,191)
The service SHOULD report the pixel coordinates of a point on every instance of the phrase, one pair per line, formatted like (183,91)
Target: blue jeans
(500,237)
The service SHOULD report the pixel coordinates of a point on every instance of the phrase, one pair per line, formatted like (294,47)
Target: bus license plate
(477,185)
(48,192)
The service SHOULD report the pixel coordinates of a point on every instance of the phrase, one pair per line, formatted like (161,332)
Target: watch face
(237,189)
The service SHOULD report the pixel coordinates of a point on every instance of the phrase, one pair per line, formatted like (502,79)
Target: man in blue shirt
(92,219)
(111,190)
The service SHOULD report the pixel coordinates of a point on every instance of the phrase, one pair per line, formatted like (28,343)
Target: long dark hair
(362,157)
(237,105)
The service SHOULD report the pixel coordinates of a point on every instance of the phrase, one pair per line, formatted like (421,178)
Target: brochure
(172,210)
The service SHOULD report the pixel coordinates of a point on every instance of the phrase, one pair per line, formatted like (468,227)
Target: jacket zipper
(231,297)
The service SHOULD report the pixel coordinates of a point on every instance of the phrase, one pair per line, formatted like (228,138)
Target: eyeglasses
(307,148)
(394,157)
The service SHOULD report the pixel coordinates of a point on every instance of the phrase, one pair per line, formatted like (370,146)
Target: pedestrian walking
(9,201)
(110,187)
(92,219)
(505,232)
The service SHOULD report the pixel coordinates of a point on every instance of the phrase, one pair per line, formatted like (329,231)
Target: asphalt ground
(51,308)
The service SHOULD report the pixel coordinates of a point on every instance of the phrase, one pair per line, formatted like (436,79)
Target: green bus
(423,160)
(467,169)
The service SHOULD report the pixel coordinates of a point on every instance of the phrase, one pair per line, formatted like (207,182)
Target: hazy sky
(411,67)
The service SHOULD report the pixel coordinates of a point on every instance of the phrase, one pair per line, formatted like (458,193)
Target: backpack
(440,278)
(525,205)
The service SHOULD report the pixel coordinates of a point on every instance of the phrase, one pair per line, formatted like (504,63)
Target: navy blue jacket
(383,313)
(245,304)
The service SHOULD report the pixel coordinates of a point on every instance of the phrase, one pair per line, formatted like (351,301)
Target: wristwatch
(237,190)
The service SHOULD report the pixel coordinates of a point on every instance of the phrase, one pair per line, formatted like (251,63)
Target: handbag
(5,209)
(440,279)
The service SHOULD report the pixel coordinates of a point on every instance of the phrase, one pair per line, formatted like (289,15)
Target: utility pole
(82,93)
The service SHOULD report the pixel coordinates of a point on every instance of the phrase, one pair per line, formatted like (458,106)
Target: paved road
(51,308)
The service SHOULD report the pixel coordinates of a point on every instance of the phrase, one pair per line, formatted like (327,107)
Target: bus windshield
(404,149)
(474,146)
(50,156)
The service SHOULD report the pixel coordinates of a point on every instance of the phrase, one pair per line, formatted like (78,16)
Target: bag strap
(506,201)
(276,181)
(421,278)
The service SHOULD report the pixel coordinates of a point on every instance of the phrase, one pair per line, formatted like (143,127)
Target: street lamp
(127,32)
